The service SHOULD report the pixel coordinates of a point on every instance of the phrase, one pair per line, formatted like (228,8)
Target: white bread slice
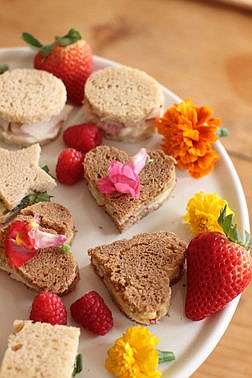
(40,350)
(157,182)
(124,102)
(51,269)
(29,95)
(138,272)
(21,175)
(32,106)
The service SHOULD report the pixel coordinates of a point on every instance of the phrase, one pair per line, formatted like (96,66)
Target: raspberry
(82,137)
(69,168)
(48,308)
(91,312)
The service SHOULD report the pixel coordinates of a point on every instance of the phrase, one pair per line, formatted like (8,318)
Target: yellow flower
(203,211)
(133,355)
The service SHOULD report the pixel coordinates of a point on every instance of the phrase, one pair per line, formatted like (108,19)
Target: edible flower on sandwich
(188,134)
(134,355)
(24,239)
(203,210)
(124,178)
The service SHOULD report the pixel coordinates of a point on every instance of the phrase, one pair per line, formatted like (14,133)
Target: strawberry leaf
(230,230)
(71,37)
(33,42)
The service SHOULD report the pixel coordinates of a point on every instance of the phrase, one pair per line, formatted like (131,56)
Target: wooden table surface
(198,49)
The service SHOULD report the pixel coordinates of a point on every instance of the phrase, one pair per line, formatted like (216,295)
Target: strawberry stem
(230,230)
(71,37)
(4,68)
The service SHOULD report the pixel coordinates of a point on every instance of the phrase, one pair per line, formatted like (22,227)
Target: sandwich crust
(40,350)
(138,272)
(123,102)
(157,181)
(29,95)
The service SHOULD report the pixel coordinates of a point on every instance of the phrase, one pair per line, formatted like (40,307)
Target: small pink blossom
(124,178)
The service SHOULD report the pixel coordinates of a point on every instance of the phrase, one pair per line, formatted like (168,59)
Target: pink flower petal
(138,161)
(106,186)
(45,239)
(124,178)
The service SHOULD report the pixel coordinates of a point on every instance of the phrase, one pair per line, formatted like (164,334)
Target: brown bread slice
(157,181)
(51,269)
(138,272)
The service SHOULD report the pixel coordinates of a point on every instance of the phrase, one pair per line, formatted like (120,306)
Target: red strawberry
(69,168)
(83,137)
(69,58)
(92,313)
(48,308)
(218,269)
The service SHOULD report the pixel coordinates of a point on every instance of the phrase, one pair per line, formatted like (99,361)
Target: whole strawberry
(83,137)
(48,308)
(69,58)
(219,268)
(69,167)
(91,312)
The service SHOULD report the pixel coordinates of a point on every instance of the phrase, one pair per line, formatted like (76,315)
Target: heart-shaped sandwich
(138,272)
(156,181)
(34,249)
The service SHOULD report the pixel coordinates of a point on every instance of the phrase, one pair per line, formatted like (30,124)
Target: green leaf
(222,132)
(71,37)
(32,198)
(77,365)
(231,231)
(65,248)
(4,68)
(46,49)
(33,42)
(164,356)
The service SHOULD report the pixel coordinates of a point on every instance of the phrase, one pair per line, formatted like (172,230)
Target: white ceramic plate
(191,341)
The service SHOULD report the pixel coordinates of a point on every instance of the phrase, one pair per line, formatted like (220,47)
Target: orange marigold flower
(188,134)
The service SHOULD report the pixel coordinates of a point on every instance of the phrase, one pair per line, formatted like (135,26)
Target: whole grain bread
(40,350)
(157,181)
(51,269)
(125,97)
(138,272)
(29,95)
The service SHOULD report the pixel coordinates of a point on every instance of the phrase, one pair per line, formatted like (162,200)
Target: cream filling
(35,132)
(128,130)
(143,318)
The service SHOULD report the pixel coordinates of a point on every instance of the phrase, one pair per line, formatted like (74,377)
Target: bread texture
(157,181)
(123,102)
(21,175)
(39,350)
(29,95)
(51,269)
(138,272)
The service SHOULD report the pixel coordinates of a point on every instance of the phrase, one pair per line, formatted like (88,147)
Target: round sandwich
(32,106)
(123,102)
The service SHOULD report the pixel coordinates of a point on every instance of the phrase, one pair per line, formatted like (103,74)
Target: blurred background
(198,49)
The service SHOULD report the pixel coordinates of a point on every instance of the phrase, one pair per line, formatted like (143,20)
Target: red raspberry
(69,168)
(48,308)
(92,313)
(83,137)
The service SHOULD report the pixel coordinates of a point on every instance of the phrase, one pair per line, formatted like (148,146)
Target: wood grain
(198,49)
